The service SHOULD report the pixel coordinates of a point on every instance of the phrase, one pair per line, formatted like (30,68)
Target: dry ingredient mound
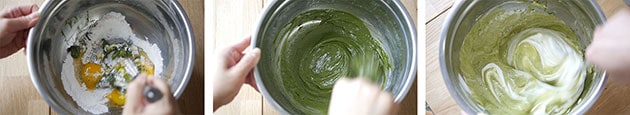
(97,29)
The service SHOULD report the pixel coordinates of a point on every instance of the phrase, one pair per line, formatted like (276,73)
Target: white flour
(91,101)
(110,26)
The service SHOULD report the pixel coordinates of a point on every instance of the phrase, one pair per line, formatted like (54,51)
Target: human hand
(360,97)
(609,49)
(233,69)
(137,104)
(14,25)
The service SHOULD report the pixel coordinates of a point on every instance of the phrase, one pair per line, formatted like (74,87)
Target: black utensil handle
(152,94)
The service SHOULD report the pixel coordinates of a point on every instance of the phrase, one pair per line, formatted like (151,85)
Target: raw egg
(91,73)
(116,98)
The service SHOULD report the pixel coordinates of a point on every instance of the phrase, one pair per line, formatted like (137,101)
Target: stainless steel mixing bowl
(582,16)
(163,22)
(387,19)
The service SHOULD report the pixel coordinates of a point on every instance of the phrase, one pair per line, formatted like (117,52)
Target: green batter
(518,59)
(320,46)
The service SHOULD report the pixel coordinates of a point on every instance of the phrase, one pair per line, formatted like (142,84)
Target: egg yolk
(150,69)
(91,73)
(116,98)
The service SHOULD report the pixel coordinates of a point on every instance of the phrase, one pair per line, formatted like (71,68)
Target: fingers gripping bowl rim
(163,22)
(580,16)
(399,24)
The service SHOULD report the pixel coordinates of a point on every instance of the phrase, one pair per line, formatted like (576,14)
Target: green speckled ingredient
(320,46)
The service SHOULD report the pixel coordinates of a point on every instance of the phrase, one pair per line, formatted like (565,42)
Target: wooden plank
(191,100)
(14,65)
(38,107)
(438,96)
(235,19)
(268,109)
(409,105)
(614,98)
(436,7)
(52,111)
(412,8)
(18,96)
(611,6)
(247,102)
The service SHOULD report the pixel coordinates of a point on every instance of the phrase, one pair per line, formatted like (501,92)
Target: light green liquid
(320,46)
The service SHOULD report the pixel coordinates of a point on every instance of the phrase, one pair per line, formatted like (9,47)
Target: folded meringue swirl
(523,61)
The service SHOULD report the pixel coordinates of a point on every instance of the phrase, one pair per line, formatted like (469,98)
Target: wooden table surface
(235,19)
(19,97)
(614,98)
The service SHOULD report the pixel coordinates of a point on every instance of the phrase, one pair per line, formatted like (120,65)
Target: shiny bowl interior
(163,22)
(582,16)
(387,20)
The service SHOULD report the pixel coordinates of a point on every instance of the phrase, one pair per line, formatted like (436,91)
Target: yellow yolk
(91,73)
(116,98)
(149,68)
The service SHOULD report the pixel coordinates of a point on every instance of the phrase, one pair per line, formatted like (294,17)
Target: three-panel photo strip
(314,57)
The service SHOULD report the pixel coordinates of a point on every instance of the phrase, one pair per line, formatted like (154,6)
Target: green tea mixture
(320,46)
(519,59)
